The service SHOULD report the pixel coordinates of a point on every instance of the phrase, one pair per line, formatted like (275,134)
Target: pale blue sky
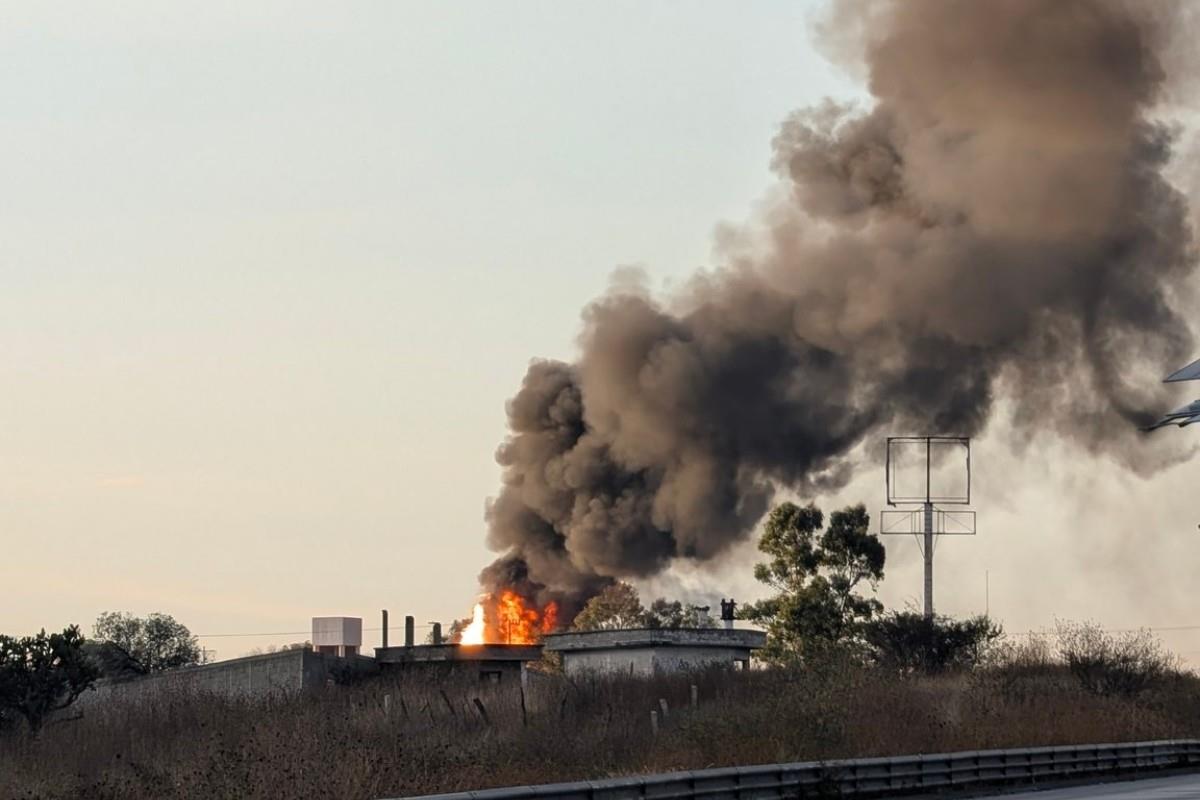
(269,276)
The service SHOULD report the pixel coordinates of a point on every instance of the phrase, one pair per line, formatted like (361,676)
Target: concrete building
(489,663)
(653,650)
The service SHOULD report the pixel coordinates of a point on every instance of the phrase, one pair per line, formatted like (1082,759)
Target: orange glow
(505,618)
(474,633)
(550,617)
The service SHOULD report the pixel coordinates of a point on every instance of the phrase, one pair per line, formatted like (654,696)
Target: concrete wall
(646,637)
(645,661)
(287,671)
(626,661)
(480,672)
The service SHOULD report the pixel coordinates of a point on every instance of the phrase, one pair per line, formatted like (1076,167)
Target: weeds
(441,736)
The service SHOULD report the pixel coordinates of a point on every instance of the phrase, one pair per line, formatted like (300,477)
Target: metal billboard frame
(929,442)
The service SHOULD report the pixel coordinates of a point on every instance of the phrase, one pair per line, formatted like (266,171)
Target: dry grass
(340,743)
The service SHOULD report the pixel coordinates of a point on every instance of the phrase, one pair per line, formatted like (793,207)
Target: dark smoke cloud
(995,226)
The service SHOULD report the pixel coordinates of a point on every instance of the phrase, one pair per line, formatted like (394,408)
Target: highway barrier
(866,777)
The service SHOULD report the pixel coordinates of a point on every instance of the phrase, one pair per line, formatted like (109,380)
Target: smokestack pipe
(409,625)
(437,633)
(385,628)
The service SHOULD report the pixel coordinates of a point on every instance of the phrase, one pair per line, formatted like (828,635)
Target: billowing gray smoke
(996,226)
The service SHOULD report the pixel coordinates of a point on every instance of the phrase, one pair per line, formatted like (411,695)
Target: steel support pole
(929,529)
(929,561)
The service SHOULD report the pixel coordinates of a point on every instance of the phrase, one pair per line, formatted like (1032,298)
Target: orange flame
(550,617)
(505,618)
(475,633)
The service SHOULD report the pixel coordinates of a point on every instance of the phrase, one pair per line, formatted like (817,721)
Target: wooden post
(449,705)
(695,696)
(662,706)
(654,723)
(387,705)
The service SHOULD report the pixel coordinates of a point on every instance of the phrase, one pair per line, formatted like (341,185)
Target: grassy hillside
(349,742)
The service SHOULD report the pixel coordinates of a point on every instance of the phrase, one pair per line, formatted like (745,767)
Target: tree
(620,606)
(665,613)
(907,641)
(279,648)
(816,578)
(126,645)
(40,674)
(617,606)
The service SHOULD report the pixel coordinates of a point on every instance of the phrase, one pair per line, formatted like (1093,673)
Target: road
(1180,787)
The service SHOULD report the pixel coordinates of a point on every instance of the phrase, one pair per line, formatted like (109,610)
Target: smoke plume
(996,225)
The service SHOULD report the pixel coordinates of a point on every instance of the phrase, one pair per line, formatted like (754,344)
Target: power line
(267,633)
(294,633)
(1152,629)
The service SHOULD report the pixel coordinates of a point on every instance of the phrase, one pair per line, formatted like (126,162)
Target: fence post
(449,705)
(695,697)
(654,723)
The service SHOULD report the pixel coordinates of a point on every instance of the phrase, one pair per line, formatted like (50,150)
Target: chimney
(385,627)
(727,609)
(409,625)
(437,633)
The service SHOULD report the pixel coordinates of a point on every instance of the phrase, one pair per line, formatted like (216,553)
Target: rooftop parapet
(655,637)
(430,653)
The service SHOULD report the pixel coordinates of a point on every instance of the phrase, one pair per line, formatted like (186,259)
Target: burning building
(476,658)
(504,617)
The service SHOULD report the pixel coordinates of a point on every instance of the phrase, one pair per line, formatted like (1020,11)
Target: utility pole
(928,530)
(928,561)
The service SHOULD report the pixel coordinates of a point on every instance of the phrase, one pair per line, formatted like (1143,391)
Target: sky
(270,274)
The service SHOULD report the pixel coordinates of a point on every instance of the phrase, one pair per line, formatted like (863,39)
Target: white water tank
(341,636)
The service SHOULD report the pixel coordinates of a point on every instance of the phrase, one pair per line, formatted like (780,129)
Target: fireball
(505,618)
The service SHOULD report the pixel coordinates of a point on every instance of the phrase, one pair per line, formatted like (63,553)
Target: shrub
(907,641)
(1105,663)
(410,734)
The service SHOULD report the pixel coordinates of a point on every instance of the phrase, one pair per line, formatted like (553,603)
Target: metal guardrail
(864,777)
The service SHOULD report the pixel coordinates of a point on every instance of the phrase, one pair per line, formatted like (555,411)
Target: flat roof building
(490,663)
(647,651)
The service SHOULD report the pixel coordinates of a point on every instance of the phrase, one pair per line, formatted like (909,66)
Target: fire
(474,633)
(505,618)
